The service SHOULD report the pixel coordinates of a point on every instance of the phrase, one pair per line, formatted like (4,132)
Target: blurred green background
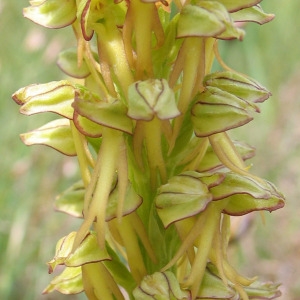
(31,177)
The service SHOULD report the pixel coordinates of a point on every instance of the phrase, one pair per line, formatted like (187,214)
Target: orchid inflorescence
(148,121)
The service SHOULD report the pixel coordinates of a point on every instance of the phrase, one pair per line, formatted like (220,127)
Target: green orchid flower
(148,121)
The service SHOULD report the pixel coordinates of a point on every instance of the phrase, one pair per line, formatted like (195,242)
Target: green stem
(142,16)
(226,151)
(189,240)
(142,234)
(193,64)
(110,41)
(204,243)
(199,153)
(99,284)
(152,134)
(83,159)
(131,244)
(109,152)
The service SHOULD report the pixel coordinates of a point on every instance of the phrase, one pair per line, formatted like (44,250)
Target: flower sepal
(236,5)
(87,252)
(207,19)
(68,62)
(56,134)
(238,85)
(55,96)
(213,287)
(201,19)
(263,290)
(215,113)
(108,114)
(51,13)
(252,14)
(246,194)
(70,201)
(160,286)
(69,282)
(185,195)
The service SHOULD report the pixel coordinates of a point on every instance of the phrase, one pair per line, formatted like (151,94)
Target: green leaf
(252,14)
(68,63)
(69,282)
(56,134)
(55,96)
(51,13)
(183,196)
(71,200)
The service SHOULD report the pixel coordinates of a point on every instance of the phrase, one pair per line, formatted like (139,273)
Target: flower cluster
(148,121)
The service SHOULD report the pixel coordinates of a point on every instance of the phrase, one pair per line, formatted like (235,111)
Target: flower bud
(149,98)
(184,195)
(211,118)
